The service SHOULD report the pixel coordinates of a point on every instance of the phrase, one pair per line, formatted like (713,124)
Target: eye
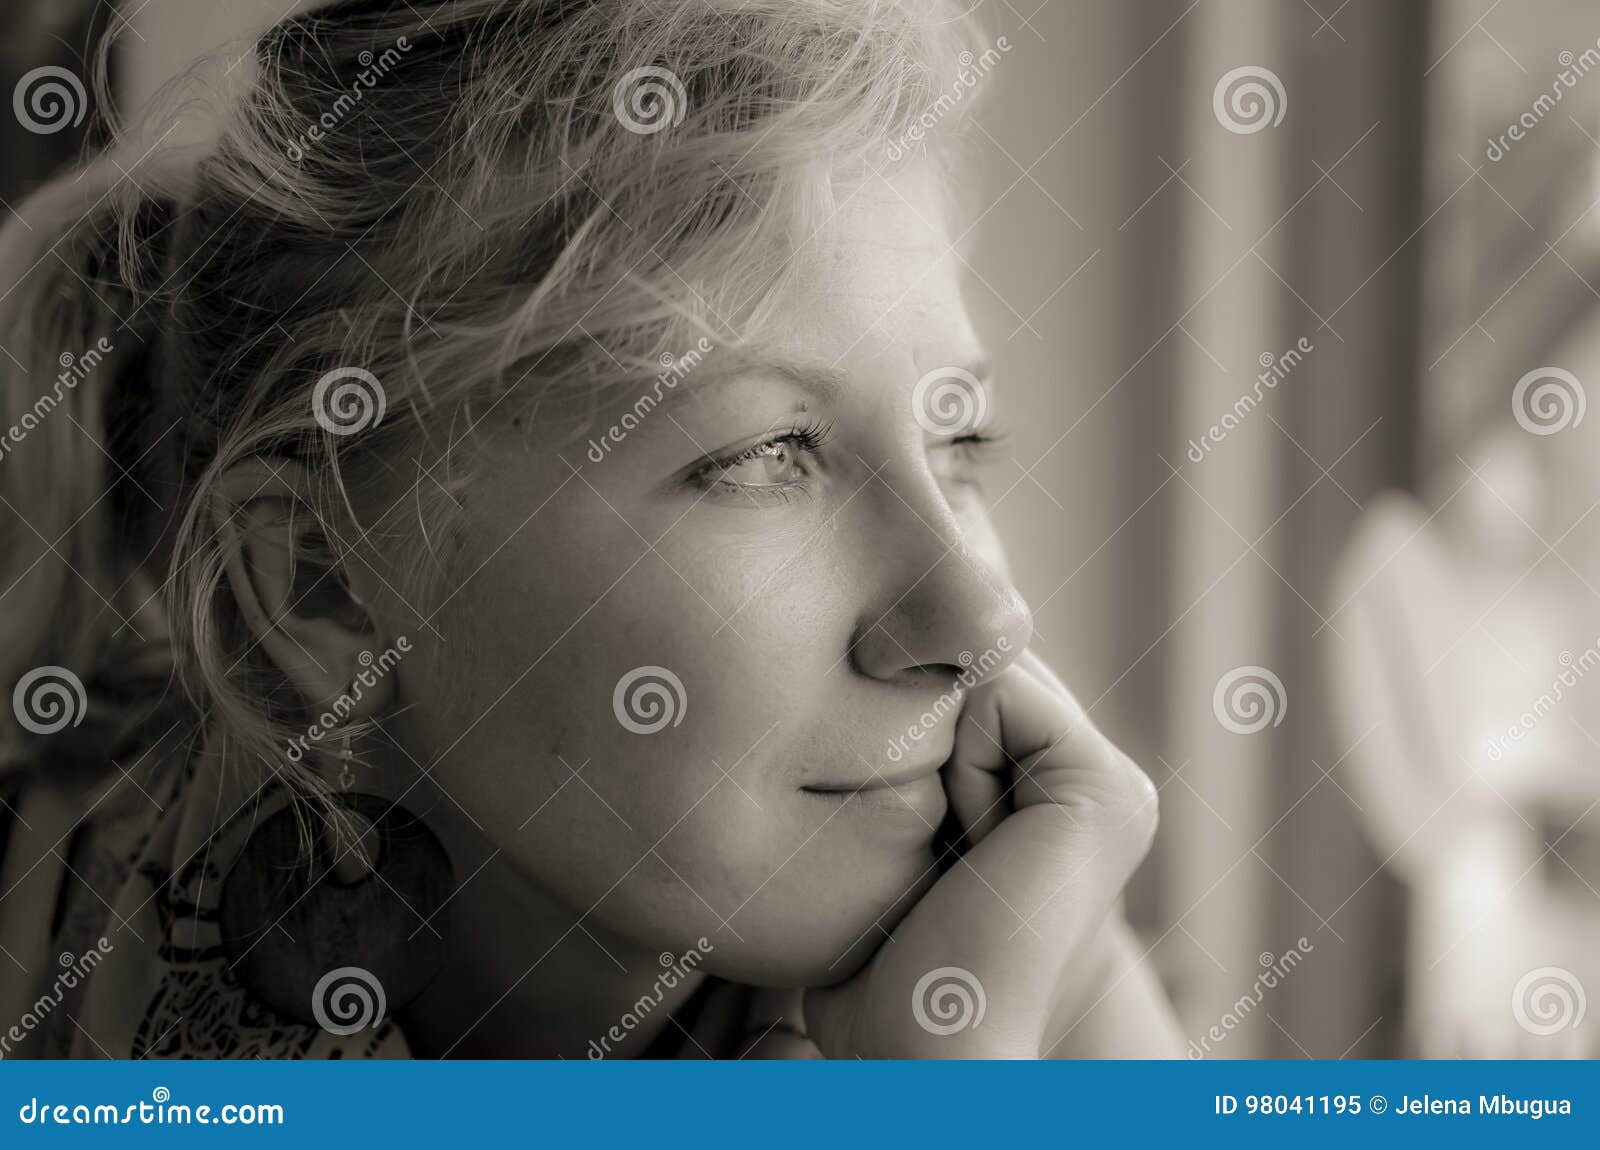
(775,466)
(959,460)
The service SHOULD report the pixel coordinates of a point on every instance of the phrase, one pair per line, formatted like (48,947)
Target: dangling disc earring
(372,893)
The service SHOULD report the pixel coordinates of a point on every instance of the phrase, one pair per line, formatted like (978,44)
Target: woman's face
(784,535)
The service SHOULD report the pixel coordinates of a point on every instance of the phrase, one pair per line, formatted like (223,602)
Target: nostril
(925,681)
(958,618)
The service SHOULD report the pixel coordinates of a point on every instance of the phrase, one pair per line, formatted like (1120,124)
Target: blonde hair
(465,201)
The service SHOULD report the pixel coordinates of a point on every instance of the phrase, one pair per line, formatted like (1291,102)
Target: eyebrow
(980,368)
(821,379)
(818,378)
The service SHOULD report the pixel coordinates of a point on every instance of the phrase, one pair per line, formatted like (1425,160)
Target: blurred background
(1294,305)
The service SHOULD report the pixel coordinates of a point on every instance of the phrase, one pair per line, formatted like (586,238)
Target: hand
(1057,819)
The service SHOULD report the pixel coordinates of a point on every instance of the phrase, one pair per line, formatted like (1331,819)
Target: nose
(944,608)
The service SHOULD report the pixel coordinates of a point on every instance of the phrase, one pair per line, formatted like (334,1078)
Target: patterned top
(127,876)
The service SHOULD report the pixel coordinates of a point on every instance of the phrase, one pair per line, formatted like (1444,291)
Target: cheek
(592,707)
(632,729)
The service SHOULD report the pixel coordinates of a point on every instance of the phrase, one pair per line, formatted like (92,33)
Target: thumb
(1025,718)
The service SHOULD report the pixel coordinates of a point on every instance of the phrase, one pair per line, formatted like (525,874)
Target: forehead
(879,270)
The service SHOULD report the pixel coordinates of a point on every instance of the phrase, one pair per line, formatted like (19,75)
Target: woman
(510,507)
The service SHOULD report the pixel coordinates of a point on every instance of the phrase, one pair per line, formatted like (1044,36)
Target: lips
(913,801)
(901,777)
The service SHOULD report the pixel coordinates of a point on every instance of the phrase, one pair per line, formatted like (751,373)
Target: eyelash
(972,447)
(808,438)
(978,444)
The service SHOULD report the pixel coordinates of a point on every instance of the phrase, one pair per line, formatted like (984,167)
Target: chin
(821,940)
(803,964)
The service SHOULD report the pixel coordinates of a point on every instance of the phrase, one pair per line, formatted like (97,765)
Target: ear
(283,569)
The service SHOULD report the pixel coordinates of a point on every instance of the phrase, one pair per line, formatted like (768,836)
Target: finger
(1014,719)
(1095,805)
(978,788)
(775,1026)
(978,776)
(1032,660)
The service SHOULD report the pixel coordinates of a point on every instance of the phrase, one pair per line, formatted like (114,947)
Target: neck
(526,978)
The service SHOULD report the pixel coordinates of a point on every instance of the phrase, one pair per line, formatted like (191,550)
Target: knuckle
(1113,794)
(1136,805)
